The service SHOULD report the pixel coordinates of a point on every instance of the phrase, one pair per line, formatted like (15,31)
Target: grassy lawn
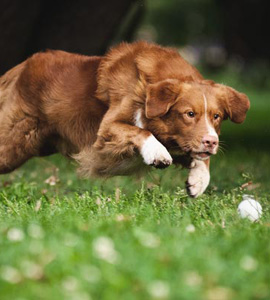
(125,238)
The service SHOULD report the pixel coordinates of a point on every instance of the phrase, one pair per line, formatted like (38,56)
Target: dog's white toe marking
(154,153)
(198,179)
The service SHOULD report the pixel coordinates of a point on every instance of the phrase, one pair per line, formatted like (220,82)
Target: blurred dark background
(82,26)
(214,33)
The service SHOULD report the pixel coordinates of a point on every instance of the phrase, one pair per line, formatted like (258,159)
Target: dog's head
(188,115)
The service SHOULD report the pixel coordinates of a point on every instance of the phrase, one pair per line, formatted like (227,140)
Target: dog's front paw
(198,179)
(155,154)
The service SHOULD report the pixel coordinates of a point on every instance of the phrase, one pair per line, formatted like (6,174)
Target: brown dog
(141,104)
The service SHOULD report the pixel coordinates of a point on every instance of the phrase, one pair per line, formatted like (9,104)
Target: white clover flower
(159,289)
(220,293)
(35,246)
(147,239)
(192,278)
(70,284)
(39,202)
(10,274)
(31,270)
(190,228)
(98,201)
(46,257)
(15,235)
(120,218)
(52,180)
(71,240)
(79,295)
(103,248)
(69,182)
(90,273)
(35,231)
(248,263)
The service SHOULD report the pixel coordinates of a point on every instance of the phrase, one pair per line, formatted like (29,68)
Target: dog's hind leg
(19,141)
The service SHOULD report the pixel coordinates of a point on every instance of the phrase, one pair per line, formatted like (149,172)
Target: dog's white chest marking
(138,118)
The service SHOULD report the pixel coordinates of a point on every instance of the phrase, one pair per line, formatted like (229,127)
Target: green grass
(126,238)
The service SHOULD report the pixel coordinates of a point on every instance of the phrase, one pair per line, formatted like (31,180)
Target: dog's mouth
(177,149)
(201,155)
(194,154)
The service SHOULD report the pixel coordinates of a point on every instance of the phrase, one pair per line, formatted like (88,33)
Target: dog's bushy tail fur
(97,163)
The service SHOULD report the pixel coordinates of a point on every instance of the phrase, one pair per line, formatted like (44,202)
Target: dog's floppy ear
(237,105)
(160,97)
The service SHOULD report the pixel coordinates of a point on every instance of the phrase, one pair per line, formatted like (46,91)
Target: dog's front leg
(154,153)
(199,177)
(118,137)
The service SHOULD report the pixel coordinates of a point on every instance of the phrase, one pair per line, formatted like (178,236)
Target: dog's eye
(191,114)
(216,116)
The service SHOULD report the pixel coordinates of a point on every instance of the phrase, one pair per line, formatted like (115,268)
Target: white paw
(154,153)
(198,179)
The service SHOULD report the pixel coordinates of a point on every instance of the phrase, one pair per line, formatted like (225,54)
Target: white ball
(250,208)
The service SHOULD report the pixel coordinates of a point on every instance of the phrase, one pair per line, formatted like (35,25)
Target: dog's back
(47,105)
(127,68)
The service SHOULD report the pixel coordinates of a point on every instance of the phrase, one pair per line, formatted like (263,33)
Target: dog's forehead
(197,94)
